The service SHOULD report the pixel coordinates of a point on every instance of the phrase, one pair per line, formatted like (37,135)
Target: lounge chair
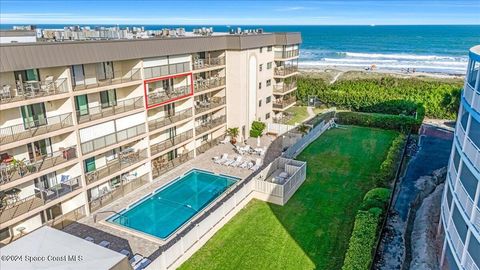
(258,164)
(226,140)
(229,162)
(136,259)
(89,239)
(249,165)
(244,164)
(222,160)
(104,244)
(125,252)
(237,162)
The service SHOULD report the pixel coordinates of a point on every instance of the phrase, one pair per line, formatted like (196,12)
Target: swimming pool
(168,208)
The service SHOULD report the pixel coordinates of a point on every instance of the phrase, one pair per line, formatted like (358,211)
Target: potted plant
(233,133)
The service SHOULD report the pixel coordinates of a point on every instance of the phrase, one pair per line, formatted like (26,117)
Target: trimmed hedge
(388,168)
(376,198)
(390,95)
(385,121)
(362,242)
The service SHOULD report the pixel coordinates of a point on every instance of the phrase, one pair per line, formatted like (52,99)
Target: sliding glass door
(78,75)
(108,98)
(81,105)
(33,115)
(105,70)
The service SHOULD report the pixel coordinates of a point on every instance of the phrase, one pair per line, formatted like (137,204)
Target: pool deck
(121,239)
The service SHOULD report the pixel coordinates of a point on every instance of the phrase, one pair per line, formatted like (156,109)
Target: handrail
(112,138)
(132,75)
(170,142)
(168,94)
(41,89)
(208,62)
(97,112)
(210,124)
(214,103)
(167,120)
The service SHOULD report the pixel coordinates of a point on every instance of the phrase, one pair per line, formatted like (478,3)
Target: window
(260,103)
(259,85)
(4,233)
(267,116)
(268,99)
(269,48)
(260,67)
(269,65)
(261,49)
(472,72)
(269,82)
(108,98)
(81,105)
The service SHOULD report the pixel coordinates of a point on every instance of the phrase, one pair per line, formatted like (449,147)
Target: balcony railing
(170,142)
(123,161)
(126,187)
(12,209)
(34,128)
(203,106)
(457,242)
(285,71)
(160,71)
(283,103)
(283,88)
(132,75)
(168,94)
(464,198)
(98,112)
(162,165)
(208,144)
(208,62)
(31,90)
(207,84)
(19,169)
(62,221)
(286,54)
(167,120)
(210,124)
(112,138)
(472,152)
(472,97)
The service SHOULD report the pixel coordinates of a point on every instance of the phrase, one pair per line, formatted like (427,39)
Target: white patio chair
(244,164)
(237,162)
(229,162)
(222,160)
(258,164)
(136,259)
(226,140)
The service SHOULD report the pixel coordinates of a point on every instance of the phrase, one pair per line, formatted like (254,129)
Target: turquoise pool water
(167,209)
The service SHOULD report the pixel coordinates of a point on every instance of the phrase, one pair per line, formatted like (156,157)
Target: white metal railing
(97,112)
(476,220)
(472,97)
(112,138)
(168,94)
(159,71)
(460,132)
(453,173)
(469,262)
(464,198)
(132,75)
(30,90)
(455,239)
(472,152)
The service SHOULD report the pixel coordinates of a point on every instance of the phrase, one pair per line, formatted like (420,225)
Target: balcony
(283,71)
(15,208)
(472,97)
(162,165)
(31,129)
(208,144)
(472,152)
(167,120)
(30,90)
(98,112)
(208,63)
(284,88)
(210,124)
(112,138)
(132,75)
(286,54)
(284,103)
(201,85)
(21,168)
(170,142)
(126,187)
(165,70)
(203,106)
(169,94)
(125,159)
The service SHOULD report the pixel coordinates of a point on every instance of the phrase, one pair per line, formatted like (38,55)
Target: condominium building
(85,123)
(460,216)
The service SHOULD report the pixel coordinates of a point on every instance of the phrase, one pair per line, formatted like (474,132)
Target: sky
(240,12)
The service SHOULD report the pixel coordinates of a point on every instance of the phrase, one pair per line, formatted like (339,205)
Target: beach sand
(332,74)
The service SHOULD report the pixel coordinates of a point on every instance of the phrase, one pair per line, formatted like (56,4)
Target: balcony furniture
(6,158)
(32,87)
(89,239)
(104,244)
(2,199)
(48,85)
(125,252)
(68,153)
(5,92)
(12,194)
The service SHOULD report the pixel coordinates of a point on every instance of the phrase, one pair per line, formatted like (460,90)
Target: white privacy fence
(279,129)
(304,141)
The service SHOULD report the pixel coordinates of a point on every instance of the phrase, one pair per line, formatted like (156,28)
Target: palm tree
(233,133)
(303,129)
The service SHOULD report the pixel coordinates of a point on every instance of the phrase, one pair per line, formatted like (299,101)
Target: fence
(278,129)
(304,141)
(112,138)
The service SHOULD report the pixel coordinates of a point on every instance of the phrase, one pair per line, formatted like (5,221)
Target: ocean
(430,48)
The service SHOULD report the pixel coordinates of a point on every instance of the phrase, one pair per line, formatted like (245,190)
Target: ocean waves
(385,61)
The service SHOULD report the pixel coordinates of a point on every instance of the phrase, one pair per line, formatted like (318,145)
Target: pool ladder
(123,219)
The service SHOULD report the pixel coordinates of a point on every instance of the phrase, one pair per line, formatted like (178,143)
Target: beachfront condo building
(460,216)
(83,123)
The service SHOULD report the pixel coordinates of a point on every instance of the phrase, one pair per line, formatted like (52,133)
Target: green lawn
(313,229)
(300,114)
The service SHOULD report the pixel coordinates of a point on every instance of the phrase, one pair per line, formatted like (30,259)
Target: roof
(17,33)
(48,243)
(475,50)
(22,56)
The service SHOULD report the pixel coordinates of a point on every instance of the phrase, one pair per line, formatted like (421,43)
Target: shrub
(385,121)
(257,129)
(389,95)
(388,168)
(376,198)
(359,254)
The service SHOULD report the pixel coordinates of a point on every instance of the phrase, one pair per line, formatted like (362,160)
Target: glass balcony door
(33,115)
(90,164)
(27,75)
(108,98)
(105,70)
(78,75)
(81,105)
(169,109)
(37,150)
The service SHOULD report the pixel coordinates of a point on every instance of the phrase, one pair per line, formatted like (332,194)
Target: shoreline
(334,72)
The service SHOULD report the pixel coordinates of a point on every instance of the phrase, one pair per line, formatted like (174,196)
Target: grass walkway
(313,229)
(300,114)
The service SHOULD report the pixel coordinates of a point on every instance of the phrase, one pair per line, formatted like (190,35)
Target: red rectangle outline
(145,82)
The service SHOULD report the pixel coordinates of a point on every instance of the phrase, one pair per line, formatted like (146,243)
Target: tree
(257,129)
(233,133)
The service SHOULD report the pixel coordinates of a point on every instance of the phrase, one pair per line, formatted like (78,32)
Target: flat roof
(17,33)
(49,248)
(475,49)
(20,56)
